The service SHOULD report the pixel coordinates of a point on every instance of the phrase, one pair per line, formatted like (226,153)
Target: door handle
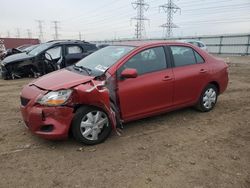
(203,71)
(167,78)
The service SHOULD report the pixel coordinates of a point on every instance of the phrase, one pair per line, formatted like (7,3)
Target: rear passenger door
(190,72)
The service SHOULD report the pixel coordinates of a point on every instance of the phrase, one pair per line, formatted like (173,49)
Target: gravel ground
(183,149)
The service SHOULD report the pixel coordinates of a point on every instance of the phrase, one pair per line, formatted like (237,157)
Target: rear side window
(199,59)
(74,50)
(150,60)
(185,56)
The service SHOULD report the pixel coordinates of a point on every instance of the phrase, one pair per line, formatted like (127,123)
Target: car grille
(24,101)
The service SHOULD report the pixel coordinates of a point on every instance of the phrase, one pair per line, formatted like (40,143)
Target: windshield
(30,48)
(102,59)
(39,49)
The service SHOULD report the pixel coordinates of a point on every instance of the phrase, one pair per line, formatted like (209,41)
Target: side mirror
(129,73)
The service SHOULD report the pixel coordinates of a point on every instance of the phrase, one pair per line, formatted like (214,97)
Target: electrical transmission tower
(170,8)
(141,7)
(56,34)
(40,28)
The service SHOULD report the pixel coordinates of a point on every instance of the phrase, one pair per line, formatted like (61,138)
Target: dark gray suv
(45,58)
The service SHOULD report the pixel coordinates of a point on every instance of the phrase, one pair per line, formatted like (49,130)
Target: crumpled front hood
(16,58)
(61,79)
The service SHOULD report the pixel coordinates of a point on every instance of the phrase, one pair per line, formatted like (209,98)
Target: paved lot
(185,148)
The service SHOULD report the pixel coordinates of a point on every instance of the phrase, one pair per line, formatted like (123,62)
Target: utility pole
(80,36)
(40,28)
(8,34)
(17,33)
(56,34)
(141,7)
(29,34)
(170,8)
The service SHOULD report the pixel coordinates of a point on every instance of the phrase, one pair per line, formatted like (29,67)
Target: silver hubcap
(92,124)
(209,98)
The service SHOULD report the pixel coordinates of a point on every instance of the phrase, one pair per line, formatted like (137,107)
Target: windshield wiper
(80,68)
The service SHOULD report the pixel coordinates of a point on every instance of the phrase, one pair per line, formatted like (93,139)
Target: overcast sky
(109,19)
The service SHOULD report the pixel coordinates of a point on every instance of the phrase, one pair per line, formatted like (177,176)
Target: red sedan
(121,83)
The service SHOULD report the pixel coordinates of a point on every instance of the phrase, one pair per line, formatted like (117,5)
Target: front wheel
(208,98)
(91,126)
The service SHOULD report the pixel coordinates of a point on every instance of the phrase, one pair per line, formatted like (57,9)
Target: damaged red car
(121,83)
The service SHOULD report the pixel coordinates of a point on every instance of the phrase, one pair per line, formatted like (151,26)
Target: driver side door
(53,59)
(151,91)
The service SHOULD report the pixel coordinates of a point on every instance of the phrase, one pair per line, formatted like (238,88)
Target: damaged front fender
(95,93)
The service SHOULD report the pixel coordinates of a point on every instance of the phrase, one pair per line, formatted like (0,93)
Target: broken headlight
(55,98)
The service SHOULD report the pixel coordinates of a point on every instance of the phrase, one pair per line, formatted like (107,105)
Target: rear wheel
(91,126)
(208,98)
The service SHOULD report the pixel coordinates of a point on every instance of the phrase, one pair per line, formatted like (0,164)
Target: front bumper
(51,123)
(47,122)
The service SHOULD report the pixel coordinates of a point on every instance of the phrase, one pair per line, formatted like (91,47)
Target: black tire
(77,130)
(201,106)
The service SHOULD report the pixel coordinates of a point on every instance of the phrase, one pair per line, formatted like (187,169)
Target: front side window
(54,53)
(183,55)
(74,50)
(150,60)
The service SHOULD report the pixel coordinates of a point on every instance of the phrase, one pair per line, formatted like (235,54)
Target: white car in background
(197,43)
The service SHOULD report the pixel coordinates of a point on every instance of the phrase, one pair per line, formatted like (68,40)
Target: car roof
(148,43)
(190,40)
(53,42)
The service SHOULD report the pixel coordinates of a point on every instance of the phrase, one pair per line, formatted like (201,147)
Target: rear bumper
(224,83)
(51,123)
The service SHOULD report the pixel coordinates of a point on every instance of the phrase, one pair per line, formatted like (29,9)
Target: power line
(170,8)
(97,13)
(141,6)
(40,28)
(56,34)
(93,11)
(107,22)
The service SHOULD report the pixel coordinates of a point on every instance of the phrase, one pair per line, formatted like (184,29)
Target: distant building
(6,43)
